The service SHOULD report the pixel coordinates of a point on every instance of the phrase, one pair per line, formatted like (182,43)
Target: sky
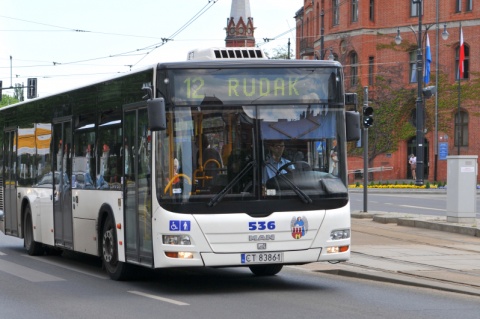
(68,44)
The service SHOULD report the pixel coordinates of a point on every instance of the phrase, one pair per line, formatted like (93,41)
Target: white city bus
(227,159)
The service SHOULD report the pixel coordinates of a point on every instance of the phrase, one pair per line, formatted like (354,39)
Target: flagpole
(460,75)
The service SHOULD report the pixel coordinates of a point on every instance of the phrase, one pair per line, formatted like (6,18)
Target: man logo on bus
(299,226)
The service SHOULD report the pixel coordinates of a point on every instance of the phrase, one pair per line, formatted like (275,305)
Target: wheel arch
(23,207)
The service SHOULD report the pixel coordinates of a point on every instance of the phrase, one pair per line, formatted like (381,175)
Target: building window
(414,7)
(371,61)
(461,128)
(336,11)
(413,66)
(469,5)
(354,10)
(372,10)
(466,63)
(354,68)
(458,5)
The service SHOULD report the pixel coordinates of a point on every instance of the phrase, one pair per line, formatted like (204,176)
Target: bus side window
(109,169)
(83,152)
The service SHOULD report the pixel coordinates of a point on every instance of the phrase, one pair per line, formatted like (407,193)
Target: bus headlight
(340,234)
(176,240)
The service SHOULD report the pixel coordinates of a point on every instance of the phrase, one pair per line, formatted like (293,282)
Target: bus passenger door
(62,188)
(137,183)
(11,221)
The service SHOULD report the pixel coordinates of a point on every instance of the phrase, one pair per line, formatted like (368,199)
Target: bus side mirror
(352,124)
(157,120)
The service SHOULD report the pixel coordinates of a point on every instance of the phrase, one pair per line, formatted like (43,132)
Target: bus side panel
(42,209)
(41,206)
(86,207)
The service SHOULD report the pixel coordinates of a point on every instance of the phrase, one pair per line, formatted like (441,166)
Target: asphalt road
(75,286)
(410,203)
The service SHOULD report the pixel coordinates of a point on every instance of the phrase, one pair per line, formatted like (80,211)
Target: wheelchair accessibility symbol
(179,225)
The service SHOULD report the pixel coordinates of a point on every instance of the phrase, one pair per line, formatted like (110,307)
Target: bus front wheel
(116,269)
(265,270)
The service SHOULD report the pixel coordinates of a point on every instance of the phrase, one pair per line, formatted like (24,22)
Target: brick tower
(240,29)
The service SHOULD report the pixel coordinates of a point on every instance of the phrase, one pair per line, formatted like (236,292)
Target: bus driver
(275,161)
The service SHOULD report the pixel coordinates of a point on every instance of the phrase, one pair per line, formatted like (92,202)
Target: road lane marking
(175,302)
(2,254)
(420,207)
(42,259)
(26,273)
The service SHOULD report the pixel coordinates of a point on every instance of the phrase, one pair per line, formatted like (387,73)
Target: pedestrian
(334,158)
(412,160)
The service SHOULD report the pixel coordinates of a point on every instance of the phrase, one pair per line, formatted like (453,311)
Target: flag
(428,61)
(461,61)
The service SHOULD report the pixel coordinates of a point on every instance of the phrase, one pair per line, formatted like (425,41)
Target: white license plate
(262,258)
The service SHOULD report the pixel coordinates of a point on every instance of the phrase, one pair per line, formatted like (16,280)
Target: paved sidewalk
(412,250)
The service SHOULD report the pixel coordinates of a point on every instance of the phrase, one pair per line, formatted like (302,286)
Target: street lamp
(419,102)
(420,136)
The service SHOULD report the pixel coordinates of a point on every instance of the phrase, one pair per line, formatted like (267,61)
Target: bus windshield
(214,154)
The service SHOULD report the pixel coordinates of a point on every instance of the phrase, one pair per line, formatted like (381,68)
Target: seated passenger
(211,160)
(209,153)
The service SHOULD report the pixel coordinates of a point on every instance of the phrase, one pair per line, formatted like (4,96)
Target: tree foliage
(7,100)
(279,53)
(393,104)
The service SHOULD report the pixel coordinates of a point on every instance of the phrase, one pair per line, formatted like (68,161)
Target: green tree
(7,100)
(279,53)
(393,104)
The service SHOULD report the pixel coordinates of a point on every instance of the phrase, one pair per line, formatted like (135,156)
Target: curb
(400,279)
(440,226)
(410,220)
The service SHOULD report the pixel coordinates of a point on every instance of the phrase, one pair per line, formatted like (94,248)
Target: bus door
(62,188)
(137,183)
(11,221)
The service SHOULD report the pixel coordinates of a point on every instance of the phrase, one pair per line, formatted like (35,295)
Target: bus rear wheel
(116,269)
(33,248)
(265,270)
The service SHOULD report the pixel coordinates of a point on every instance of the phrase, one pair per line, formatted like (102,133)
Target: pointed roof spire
(240,9)
(240,26)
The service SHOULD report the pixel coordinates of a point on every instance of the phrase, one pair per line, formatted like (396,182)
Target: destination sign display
(257,86)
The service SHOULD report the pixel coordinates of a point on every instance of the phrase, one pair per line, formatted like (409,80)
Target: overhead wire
(182,28)
(136,52)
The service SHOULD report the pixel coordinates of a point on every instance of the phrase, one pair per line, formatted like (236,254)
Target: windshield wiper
(303,196)
(229,186)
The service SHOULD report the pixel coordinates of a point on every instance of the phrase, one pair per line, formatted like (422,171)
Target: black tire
(33,248)
(117,270)
(265,270)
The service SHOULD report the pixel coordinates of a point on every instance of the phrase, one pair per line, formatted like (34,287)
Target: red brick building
(361,35)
